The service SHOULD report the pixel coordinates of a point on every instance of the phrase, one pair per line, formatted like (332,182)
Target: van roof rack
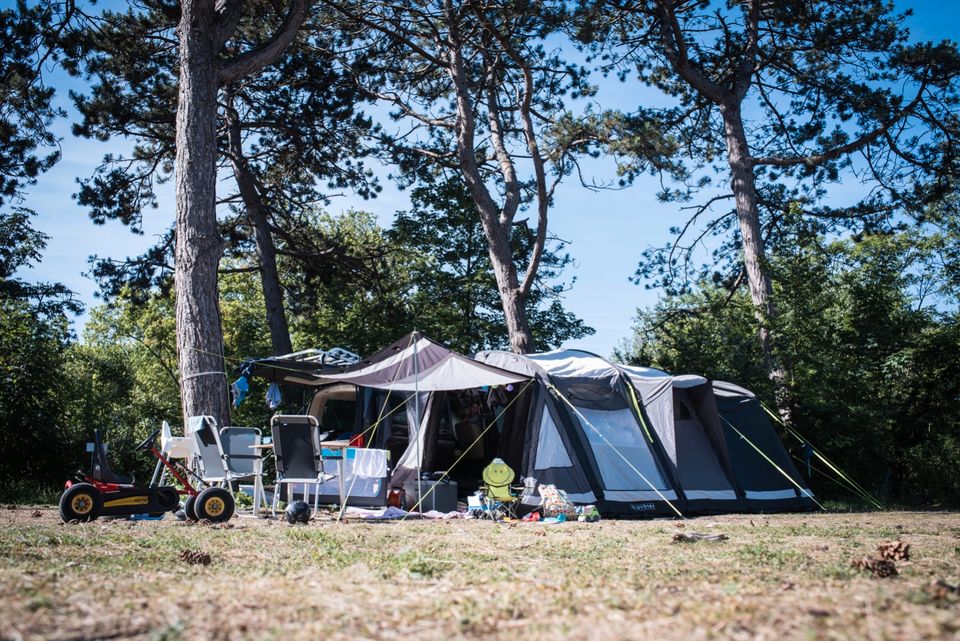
(334,357)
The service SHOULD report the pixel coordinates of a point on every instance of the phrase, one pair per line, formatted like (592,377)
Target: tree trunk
(203,379)
(743,184)
(266,251)
(496,223)
(512,299)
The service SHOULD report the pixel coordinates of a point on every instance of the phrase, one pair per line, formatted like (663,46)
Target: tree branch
(229,13)
(675,49)
(543,199)
(253,61)
(812,160)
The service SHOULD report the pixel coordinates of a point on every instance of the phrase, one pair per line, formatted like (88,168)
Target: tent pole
(416,415)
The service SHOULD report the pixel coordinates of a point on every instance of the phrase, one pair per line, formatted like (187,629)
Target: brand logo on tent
(642,507)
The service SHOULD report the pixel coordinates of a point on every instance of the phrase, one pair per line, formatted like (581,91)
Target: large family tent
(633,441)
(640,441)
(758,457)
(580,430)
(683,413)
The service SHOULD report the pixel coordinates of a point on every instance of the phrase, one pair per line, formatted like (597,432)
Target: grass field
(776,577)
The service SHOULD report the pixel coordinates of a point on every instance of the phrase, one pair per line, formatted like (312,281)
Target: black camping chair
(296,445)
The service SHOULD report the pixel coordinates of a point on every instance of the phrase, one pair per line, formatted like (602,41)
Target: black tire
(215,504)
(189,506)
(168,498)
(81,502)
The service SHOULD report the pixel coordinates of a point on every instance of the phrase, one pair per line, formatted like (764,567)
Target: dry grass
(777,577)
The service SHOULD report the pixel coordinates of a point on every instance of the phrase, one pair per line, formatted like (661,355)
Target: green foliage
(27,147)
(22,246)
(453,293)
(31,360)
(875,378)
(34,341)
(299,119)
(355,298)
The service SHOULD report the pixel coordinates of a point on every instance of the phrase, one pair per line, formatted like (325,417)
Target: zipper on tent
(636,407)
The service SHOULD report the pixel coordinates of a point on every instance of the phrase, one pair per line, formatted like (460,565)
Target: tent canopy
(417,363)
(411,363)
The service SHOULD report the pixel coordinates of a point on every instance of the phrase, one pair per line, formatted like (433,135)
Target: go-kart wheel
(214,504)
(189,508)
(81,502)
(168,498)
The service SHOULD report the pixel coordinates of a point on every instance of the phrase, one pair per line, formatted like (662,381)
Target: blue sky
(607,230)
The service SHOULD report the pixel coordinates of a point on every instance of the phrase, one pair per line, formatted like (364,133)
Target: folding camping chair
(173,447)
(226,455)
(296,445)
(499,497)
(207,449)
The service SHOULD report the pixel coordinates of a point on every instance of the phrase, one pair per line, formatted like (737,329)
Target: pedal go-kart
(101,492)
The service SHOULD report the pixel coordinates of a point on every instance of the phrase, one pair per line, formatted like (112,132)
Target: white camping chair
(296,445)
(226,455)
(173,447)
(209,450)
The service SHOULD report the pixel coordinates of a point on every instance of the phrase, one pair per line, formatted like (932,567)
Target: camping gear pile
(418,427)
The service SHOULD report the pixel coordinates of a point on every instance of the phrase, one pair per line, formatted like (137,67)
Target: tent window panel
(550,449)
(622,438)
(697,464)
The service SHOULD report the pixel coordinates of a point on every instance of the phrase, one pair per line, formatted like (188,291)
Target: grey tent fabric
(551,458)
(412,458)
(682,411)
(765,487)
(582,414)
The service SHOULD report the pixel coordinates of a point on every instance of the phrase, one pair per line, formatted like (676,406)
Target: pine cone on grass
(894,550)
(195,557)
(882,568)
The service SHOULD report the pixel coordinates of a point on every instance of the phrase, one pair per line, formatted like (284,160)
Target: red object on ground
(396,498)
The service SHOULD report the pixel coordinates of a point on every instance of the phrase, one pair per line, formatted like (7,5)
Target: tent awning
(416,362)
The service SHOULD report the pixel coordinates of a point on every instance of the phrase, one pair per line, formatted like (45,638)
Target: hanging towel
(240,388)
(367,463)
(273,396)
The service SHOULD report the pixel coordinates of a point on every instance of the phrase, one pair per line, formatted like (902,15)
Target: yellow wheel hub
(215,506)
(81,503)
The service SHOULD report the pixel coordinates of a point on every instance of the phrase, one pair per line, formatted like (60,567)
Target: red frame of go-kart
(179,472)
